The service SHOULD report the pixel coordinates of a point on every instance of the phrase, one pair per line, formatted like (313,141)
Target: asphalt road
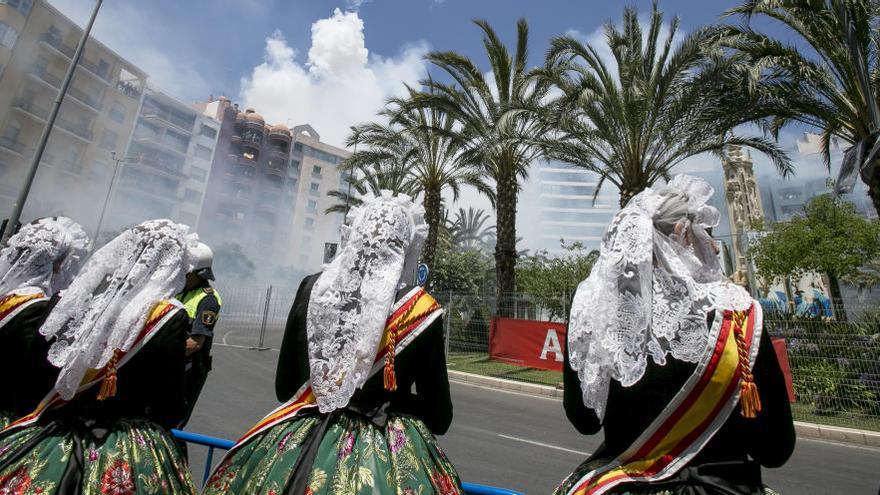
(508,439)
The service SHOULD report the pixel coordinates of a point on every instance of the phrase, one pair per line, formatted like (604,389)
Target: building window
(23,6)
(192,196)
(103,68)
(13,129)
(108,140)
(310,224)
(294,166)
(117,112)
(176,141)
(209,131)
(298,147)
(8,35)
(313,188)
(316,171)
(312,205)
(203,152)
(198,173)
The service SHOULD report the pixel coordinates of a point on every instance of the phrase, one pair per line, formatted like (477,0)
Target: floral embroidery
(93,455)
(283,443)
(15,483)
(117,479)
(444,483)
(347,446)
(398,438)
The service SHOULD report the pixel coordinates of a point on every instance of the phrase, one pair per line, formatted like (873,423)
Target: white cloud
(339,85)
(127,29)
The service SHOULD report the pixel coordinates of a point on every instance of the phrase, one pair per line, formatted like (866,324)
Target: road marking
(512,392)
(840,444)
(546,445)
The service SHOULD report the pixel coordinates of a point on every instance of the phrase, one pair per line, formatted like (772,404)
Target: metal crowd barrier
(223,444)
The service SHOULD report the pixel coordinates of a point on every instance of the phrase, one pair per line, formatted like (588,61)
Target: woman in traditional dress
(354,346)
(669,358)
(40,260)
(117,354)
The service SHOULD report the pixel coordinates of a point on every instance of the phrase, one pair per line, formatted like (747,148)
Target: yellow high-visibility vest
(192,299)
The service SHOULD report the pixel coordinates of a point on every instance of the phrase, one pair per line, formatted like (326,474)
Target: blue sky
(194,48)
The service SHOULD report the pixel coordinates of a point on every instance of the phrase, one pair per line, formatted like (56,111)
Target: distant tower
(743,204)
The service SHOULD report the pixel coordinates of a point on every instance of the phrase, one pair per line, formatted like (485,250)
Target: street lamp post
(116,166)
(50,122)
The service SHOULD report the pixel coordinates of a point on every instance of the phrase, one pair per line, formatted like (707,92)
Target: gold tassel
(749,399)
(108,385)
(389,375)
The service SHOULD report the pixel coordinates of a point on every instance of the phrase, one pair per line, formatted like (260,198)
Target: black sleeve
(581,417)
(293,359)
(206,317)
(434,402)
(160,373)
(772,432)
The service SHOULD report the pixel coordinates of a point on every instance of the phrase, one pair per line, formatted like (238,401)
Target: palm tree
(659,103)
(498,127)
(418,143)
(826,78)
(363,176)
(469,230)
(435,160)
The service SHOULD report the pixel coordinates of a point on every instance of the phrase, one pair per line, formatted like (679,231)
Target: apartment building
(97,116)
(567,209)
(267,189)
(164,172)
(315,166)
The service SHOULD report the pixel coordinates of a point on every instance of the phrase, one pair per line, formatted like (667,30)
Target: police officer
(202,303)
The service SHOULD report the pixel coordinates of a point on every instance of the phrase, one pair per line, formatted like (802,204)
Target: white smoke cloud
(339,85)
(127,28)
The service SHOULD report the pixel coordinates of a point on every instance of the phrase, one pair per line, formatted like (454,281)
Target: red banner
(782,356)
(536,344)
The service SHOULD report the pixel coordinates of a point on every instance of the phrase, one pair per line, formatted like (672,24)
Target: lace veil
(351,299)
(109,302)
(649,292)
(46,253)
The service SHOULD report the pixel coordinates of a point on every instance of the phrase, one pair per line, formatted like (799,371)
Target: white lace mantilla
(46,253)
(351,300)
(109,302)
(649,293)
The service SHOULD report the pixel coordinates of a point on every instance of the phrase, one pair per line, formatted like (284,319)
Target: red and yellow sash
(409,318)
(694,415)
(15,302)
(160,315)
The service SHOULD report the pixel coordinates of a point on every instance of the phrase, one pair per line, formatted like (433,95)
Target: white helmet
(204,258)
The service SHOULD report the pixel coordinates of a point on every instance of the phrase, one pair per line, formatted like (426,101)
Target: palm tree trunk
(433,204)
(505,246)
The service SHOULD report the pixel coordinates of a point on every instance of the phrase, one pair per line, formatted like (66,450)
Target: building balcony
(77,129)
(278,154)
(40,73)
(31,108)
(184,125)
(280,135)
(100,73)
(91,102)
(235,139)
(12,145)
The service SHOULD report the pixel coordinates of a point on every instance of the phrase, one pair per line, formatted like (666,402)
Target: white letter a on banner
(551,346)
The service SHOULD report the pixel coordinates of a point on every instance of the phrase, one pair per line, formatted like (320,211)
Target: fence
(835,365)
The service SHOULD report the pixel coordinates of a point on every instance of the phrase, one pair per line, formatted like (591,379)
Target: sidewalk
(804,430)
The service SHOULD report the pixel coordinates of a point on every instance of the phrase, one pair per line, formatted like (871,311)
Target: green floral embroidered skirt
(5,419)
(135,457)
(354,457)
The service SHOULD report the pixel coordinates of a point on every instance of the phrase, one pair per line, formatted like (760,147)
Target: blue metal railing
(223,444)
